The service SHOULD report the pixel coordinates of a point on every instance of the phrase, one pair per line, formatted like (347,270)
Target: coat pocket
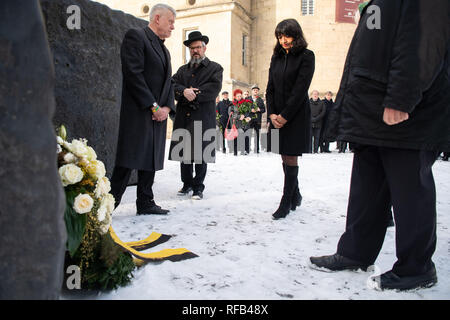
(364,100)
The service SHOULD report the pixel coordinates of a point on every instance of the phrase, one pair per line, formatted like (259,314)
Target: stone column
(32,230)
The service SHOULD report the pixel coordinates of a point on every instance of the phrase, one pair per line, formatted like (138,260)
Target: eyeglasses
(195,48)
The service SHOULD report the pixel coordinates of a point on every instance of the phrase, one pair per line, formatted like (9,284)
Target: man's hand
(161,114)
(189,94)
(392,116)
(275,122)
(281,120)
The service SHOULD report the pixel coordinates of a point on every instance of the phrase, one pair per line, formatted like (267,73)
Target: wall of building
(329,40)
(225,21)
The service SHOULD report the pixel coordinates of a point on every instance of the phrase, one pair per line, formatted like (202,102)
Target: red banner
(346,9)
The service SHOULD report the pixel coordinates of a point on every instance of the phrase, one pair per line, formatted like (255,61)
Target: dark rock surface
(32,230)
(88,71)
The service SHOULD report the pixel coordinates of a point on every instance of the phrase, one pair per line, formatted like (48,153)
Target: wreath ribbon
(151,241)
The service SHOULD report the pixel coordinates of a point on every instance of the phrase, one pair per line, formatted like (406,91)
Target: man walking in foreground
(393,105)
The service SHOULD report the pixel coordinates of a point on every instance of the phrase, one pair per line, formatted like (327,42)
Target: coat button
(193,75)
(188,114)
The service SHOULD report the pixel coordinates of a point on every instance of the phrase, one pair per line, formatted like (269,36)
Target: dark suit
(146,73)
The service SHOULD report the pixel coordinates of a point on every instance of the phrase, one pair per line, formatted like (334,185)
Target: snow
(244,254)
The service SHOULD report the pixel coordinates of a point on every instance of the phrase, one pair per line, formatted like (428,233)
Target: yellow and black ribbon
(151,241)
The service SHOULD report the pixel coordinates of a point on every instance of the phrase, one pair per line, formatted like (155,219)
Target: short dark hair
(225,92)
(290,28)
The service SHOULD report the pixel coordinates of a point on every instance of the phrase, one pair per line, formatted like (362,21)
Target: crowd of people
(320,110)
(392,108)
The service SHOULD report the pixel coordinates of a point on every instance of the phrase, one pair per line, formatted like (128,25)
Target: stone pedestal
(88,71)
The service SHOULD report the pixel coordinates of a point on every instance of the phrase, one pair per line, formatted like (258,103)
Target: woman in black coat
(290,74)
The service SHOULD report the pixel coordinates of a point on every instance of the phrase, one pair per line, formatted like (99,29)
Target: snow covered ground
(243,253)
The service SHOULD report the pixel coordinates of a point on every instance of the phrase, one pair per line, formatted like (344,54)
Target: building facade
(241,34)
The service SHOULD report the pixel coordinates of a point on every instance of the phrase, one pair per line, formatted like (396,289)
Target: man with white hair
(147,100)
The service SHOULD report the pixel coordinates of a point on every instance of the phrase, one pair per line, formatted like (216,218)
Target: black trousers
(224,141)
(324,145)
(119,182)
(257,128)
(269,139)
(246,144)
(315,136)
(342,146)
(381,176)
(187,172)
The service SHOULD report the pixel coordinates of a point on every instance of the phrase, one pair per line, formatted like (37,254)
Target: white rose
(106,223)
(70,174)
(67,145)
(91,155)
(70,158)
(58,149)
(109,202)
(59,140)
(83,203)
(103,187)
(101,213)
(79,148)
(106,207)
(96,169)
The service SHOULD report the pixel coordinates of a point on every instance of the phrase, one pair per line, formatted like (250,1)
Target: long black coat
(207,77)
(146,79)
(222,108)
(404,66)
(256,123)
(318,111)
(287,94)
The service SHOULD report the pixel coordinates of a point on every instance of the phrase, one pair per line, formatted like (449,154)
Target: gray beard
(195,60)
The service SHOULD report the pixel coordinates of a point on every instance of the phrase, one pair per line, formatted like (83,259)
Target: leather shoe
(197,195)
(390,281)
(150,208)
(184,191)
(336,262)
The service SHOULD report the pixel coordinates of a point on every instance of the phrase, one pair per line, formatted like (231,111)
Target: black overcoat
(256,123)
(146,79)
(403,65)
(207,77)
(318,111)
(287,94)
(222,108)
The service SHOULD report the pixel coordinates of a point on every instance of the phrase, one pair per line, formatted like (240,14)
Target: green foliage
(100,276)
(75,223)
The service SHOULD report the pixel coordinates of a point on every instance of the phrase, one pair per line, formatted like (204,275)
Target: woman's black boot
(296,197)
(290,178)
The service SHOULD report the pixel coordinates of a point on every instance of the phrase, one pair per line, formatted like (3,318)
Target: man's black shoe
(336,262)
(184,191)
(150,208)
(390,281)
(197,195)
